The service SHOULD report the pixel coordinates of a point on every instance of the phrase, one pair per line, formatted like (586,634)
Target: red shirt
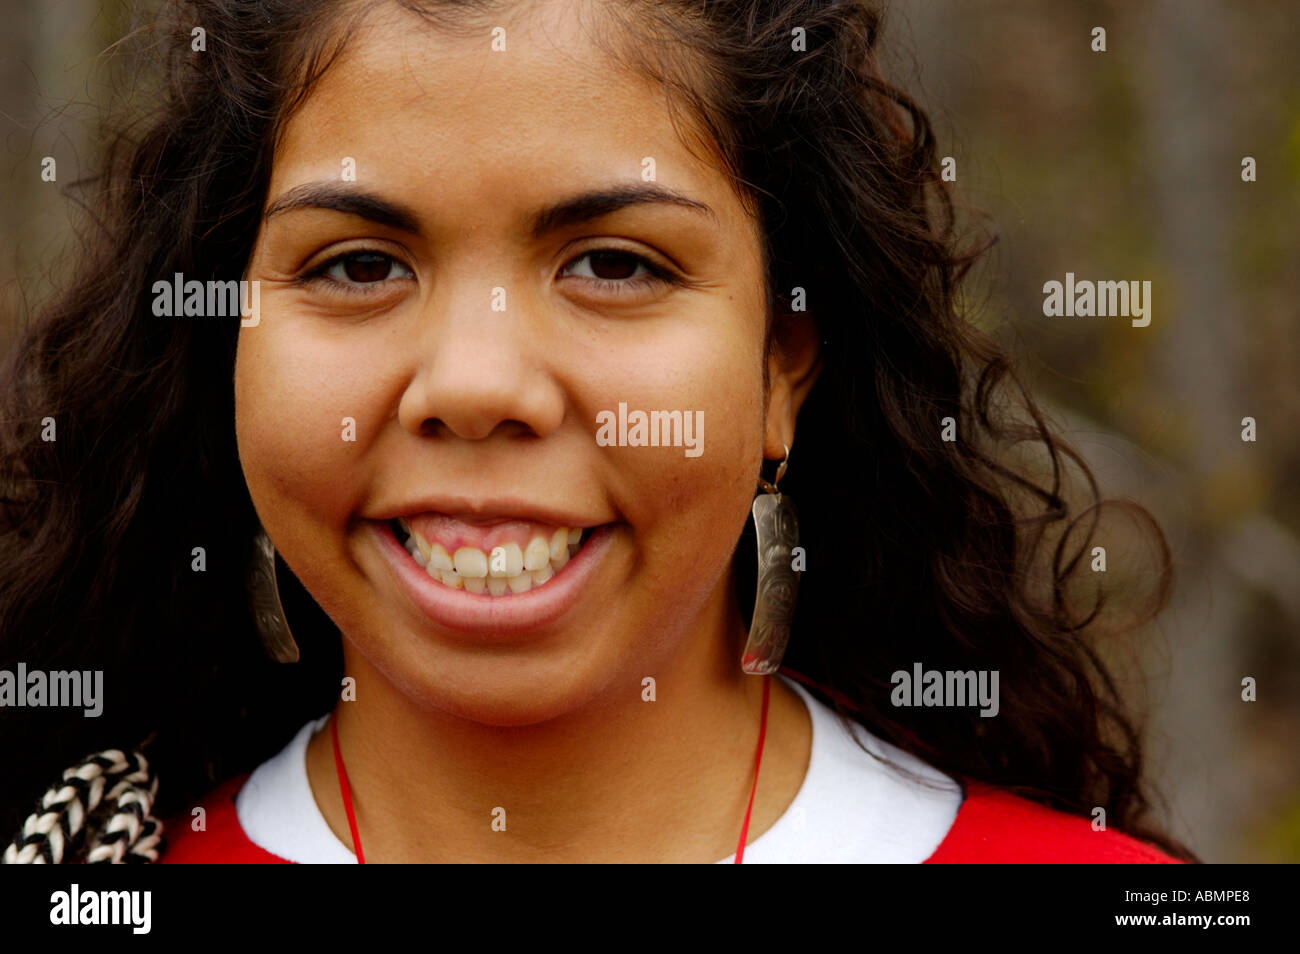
(992,827)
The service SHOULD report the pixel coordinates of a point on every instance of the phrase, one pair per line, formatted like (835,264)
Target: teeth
(506,561)
(559,545)
(537,555)
(470,561)
(415,544)
(507,569)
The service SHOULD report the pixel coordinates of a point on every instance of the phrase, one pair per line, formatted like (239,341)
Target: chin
(511,686)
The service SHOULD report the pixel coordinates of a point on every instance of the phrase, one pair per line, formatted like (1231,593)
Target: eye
(353,271)
(617,270)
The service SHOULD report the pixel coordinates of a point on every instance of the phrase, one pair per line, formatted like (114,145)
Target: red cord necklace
(352,817)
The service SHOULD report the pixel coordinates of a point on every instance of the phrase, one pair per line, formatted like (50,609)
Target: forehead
(419,107)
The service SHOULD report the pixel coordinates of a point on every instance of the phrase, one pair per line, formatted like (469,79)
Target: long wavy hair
(920,548)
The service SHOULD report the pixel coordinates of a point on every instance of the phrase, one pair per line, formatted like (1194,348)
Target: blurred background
(1117,165)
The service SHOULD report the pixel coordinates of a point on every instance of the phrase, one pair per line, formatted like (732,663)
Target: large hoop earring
(776,527)
(264,598)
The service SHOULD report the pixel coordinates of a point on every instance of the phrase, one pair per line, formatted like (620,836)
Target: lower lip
(480,614)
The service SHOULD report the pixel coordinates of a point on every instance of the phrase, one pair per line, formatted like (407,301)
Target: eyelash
(318,277)
(658,275)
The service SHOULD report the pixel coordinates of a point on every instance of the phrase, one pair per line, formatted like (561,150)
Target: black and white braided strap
(100,814)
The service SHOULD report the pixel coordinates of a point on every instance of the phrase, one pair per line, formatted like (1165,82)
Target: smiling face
(440,334)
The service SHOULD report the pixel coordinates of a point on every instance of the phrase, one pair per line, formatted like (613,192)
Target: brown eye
(353,271)
(617,271)
(365,267)
(612,264)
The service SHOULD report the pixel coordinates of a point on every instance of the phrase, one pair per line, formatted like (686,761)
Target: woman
(531,293)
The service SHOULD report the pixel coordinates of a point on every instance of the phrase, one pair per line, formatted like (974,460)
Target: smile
(498,580)
(508,558)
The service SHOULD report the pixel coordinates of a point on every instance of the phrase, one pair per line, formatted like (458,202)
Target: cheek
(293,393)
(687,512)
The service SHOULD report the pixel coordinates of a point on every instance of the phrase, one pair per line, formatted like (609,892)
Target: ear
(793,363)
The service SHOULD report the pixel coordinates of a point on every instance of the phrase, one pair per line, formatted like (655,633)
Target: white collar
(851,808)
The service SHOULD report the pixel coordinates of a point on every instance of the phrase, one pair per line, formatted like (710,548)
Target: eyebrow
(593,205)
(339,198)
(568,212)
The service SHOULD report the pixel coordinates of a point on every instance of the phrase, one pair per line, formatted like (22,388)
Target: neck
(616,779)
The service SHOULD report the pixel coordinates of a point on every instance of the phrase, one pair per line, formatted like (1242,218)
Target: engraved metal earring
(264,598)
(776,527)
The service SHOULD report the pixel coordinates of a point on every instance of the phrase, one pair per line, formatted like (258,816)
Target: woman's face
(461,268)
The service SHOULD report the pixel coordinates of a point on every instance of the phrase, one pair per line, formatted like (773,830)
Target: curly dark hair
(925,549)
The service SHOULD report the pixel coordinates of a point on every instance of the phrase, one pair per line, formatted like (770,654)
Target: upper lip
(483,511)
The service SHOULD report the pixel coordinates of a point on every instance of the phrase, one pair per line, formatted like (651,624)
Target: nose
(480,371)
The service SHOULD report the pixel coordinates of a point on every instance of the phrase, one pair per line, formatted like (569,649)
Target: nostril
(510,427)
(433,427)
